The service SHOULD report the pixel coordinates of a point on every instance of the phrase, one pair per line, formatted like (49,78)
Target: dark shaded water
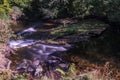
(102,49)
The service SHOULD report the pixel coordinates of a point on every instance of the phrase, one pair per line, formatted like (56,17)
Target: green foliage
(72,68)
(20,3)
(113,12)
(61,71)
(80,8)
(47,8)
(4,9)
(63,8)
(100,8)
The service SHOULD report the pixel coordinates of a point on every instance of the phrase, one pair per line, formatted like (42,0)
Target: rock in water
(43,57)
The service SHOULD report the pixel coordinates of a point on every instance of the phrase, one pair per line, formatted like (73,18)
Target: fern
(61,71)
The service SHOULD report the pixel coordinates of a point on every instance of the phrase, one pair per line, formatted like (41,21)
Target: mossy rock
(80,30)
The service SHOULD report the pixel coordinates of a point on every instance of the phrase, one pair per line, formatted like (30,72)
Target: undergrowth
(104,73)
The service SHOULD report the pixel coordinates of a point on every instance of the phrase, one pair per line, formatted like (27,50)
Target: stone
(39,70)
(36,62)
(23,65)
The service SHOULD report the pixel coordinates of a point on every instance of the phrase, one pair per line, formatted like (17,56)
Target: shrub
(113,12)
(4,9)
(62,8)
(80,8)
(100,8)
(20,3)
(47,8)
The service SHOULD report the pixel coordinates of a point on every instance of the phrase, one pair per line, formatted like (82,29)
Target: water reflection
(100,49)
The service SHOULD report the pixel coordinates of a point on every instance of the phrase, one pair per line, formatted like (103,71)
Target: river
(36,53)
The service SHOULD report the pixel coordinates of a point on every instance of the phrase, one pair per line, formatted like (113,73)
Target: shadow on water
(100,50)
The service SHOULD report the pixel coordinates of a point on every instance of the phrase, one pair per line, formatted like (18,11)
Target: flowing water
(36,54)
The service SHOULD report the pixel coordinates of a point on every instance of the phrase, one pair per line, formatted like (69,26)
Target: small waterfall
(27,31)
(38,54)
(13,43)
(20,43)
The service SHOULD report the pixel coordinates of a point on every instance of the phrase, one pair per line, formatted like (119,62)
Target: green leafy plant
(61,71)
(4,10)
(80,8)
